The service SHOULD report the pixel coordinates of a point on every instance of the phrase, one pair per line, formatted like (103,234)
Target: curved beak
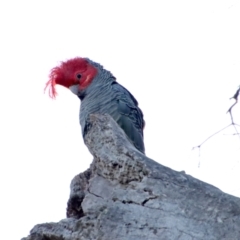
(74,89)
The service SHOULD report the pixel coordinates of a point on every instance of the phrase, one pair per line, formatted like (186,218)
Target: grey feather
(105,95)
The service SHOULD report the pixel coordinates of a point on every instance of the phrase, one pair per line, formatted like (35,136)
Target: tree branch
(235,96)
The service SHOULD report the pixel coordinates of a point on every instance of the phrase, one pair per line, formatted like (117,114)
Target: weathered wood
(126,196)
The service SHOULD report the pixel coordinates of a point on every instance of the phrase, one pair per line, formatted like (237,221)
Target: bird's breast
(96,103)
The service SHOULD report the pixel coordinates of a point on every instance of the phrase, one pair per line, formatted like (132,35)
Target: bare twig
(231,134)
(235,96)
(211,136)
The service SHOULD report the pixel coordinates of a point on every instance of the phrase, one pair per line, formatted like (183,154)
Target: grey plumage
(105,95)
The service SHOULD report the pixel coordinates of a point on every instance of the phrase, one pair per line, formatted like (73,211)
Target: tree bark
(124,195)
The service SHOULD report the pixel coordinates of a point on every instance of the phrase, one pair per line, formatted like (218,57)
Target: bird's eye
(78,76)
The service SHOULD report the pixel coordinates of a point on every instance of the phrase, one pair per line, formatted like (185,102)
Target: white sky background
(180,59)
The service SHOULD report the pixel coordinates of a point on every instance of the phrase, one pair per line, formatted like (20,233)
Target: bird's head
(76,73)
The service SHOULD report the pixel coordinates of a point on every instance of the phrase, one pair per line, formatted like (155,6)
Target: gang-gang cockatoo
(99,92)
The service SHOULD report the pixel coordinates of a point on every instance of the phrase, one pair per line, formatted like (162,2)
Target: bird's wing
(128,115)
